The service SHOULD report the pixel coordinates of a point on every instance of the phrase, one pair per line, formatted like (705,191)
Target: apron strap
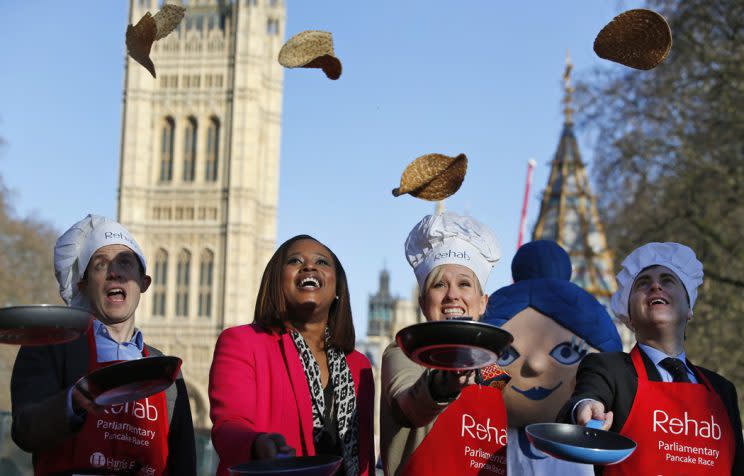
(640,367)
(92,351)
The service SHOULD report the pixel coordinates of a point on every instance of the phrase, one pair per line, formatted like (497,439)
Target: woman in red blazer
(291,382)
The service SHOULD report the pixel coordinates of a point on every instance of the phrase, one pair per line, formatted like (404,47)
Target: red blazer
(257,385)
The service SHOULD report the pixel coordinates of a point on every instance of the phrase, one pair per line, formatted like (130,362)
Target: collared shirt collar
(102,330)
(109,349)
(657,356)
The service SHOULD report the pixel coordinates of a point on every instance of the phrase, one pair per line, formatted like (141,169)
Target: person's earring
(336,298)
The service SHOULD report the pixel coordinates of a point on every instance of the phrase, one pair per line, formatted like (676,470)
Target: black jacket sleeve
(727,392)
(38,390)
(181,441)
(596,380)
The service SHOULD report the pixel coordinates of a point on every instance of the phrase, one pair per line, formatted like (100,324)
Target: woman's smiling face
(452,291)
(309,278)
(542,362)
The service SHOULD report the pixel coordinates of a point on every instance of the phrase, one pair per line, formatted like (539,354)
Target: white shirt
(524,459)
(657,356)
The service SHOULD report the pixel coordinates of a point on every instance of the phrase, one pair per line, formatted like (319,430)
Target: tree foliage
(26,263)
(669,163)
(26,272)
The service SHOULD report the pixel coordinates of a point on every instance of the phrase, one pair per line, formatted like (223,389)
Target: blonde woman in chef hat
(429,418)
(99,267)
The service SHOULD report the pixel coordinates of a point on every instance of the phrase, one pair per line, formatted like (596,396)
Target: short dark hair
(271,307)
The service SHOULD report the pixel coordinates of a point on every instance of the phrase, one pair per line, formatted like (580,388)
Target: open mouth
(658,301)
(116,294)
(537,393)
(309,282)
(455,311)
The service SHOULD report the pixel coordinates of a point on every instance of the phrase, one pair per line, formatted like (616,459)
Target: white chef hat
(74,248)
(449,238)
(678,258)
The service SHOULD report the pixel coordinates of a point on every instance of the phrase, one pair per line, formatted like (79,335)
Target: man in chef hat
(99,267)
(684,419)
(427,416)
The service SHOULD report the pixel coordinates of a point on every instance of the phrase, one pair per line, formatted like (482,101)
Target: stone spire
(568,90)
(568,213)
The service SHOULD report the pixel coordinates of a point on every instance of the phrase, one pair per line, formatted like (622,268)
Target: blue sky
(480,77)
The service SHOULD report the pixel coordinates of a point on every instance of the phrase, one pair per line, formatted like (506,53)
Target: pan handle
(81,386)
(595,424)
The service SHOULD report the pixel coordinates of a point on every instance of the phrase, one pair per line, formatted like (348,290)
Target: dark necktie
(676,369)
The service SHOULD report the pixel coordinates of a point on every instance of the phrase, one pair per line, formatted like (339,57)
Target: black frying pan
(319,465)
(42,324)
(130,380)
(580,444)
(453,344)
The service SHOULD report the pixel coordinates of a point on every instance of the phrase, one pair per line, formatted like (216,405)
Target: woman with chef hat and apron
(422,410)
(101,268)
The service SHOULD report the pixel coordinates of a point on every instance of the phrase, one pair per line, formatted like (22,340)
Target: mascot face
(542,362)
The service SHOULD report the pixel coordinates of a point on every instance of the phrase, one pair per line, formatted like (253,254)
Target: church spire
(568,90)
(568,213)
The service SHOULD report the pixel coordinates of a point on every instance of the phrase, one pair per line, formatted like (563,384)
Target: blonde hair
(436,274)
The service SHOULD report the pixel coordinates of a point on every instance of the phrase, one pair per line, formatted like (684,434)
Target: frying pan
(42,324)
(319,465)
(453,344)
(580,444)
(129,380)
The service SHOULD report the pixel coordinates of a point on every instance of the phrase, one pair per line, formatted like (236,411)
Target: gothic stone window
(160,278)
(206,278)
(166,149)
(272,26)
(189,150)
(213,150)
(183,278)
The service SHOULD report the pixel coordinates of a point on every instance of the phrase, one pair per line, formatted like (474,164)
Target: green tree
(669,163)
(26,272)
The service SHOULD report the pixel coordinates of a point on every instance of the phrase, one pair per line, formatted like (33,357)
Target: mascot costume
(555,324)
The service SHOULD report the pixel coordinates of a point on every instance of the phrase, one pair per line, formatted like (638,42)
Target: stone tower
(381,307)
(199,173)
(568,215)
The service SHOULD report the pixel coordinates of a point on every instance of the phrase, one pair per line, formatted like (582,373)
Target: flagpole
(522,222)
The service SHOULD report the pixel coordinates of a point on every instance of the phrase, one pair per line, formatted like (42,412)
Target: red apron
(680,429)
(468,438)
(120,439)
